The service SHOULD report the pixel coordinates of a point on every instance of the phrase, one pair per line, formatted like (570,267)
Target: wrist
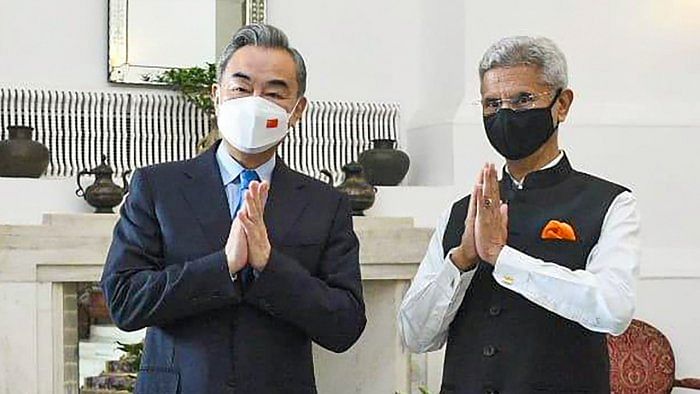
(494,253)
(461,261)
(264,259)
(233,266)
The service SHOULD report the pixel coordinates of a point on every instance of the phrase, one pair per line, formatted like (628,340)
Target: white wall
(633,66)
(635,119)
(387,50)
(54,44)
(636,116)
(63,44)
(24,201)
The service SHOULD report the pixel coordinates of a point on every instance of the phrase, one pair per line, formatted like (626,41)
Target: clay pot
(20,156)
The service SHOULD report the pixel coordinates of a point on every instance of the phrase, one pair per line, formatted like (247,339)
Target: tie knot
(248,176)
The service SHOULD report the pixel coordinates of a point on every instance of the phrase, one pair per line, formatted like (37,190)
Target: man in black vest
(524,280)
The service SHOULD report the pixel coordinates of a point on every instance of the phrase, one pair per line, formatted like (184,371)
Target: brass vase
(356,187)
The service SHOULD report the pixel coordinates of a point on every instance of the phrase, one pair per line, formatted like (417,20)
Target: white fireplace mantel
(39,265)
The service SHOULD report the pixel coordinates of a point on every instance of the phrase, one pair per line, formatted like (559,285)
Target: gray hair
(537,51)
(265,36)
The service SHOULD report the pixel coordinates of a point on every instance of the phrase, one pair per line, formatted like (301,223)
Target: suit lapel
(205,193)
(285,202)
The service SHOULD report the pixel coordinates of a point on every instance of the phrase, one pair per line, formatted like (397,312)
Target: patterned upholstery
(641,361)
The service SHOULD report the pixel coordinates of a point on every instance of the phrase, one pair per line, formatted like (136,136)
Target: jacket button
(489,351)
(495,310)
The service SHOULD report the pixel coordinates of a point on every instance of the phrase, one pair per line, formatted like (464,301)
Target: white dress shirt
(600,298)
(231,170)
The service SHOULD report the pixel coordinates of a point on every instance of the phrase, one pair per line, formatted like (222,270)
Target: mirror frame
(121,71)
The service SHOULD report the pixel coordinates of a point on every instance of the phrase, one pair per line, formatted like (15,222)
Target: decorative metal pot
(104,194)
(356,187)
(20,156)
(384,164)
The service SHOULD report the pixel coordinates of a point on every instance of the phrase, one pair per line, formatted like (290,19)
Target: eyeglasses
(520,102)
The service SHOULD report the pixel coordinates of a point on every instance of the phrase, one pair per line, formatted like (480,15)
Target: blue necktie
(246,177)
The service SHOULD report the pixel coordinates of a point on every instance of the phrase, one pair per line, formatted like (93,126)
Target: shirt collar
(230,169)
(551,164)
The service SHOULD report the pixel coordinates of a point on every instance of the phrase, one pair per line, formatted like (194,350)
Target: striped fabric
(136,130)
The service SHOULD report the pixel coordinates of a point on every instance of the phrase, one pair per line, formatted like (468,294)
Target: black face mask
(517,135)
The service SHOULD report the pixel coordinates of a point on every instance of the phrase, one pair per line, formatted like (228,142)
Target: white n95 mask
(252,124)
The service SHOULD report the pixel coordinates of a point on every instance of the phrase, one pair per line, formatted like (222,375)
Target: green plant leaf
(133,354)
(194,83)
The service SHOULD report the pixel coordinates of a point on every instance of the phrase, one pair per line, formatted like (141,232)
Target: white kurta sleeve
(601,297)
(434,297)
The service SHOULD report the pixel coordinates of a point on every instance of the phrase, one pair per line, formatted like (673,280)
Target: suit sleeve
(140,287)
(330,307)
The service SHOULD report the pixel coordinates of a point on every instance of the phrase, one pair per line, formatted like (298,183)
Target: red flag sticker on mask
(271,123)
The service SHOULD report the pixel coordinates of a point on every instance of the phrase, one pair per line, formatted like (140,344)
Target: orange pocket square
(558,230)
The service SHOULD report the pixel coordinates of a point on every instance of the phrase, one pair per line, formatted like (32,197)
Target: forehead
(262,64)
(512,80)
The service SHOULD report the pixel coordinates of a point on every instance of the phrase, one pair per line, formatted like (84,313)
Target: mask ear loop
(556,97)
(291,113)
(551,105)
(217,97)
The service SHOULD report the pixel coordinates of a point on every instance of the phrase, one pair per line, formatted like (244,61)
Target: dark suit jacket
(166,270)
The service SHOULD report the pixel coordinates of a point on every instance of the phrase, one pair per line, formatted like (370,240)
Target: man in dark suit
(233,261)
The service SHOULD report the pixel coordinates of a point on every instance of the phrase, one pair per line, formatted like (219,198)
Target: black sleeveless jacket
(500,342)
